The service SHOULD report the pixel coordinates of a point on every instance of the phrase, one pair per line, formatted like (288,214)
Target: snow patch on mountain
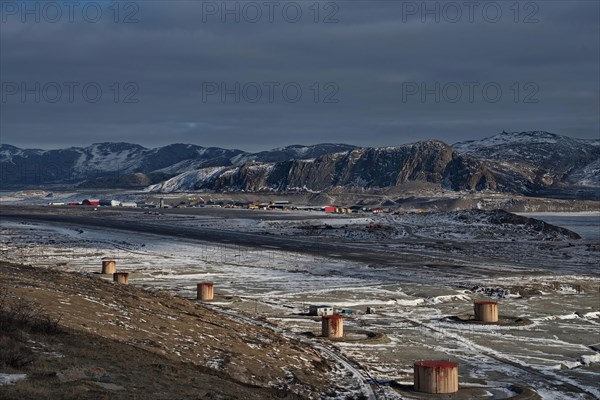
(588,175)
(538,160)
(506,138)
(521,144)
(110,157)
(190,180)
(8,153)
(293,152)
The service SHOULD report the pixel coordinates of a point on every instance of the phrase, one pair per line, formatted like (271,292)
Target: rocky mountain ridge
(525,163)
(534,163)
(430,161)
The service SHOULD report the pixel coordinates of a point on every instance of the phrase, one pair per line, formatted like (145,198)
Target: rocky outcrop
(429,161)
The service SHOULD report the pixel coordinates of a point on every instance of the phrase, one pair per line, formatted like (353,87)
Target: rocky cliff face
(429,161)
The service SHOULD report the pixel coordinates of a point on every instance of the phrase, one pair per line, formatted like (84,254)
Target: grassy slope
(135,344)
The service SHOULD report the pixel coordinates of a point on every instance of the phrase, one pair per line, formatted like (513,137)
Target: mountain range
(526,163)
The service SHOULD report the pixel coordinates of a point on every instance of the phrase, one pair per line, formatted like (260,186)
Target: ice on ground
(9,379)
(411,303)
(587,360)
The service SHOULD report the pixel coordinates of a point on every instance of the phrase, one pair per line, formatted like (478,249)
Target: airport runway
(315,246)
(377,254)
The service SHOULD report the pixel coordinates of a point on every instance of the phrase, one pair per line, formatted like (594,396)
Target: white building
(320,310)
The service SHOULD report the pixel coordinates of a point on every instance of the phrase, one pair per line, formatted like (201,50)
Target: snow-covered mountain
(526,163)
(431,162)
(294,152)
(126,164)
(539,162)
(23,167)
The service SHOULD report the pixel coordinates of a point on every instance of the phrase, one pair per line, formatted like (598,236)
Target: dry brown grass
(74,331)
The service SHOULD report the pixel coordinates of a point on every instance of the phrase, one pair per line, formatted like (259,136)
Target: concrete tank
(486,311)
(332,326)
(109,266)
(121,277)
(206,291)
(436,376)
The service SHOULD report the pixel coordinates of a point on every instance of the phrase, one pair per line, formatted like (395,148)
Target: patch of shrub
(17,313)
(14,354)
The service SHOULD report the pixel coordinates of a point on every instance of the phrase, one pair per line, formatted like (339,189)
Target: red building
(88,202)
(330,209)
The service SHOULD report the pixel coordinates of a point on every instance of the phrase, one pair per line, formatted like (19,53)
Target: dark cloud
(353,74)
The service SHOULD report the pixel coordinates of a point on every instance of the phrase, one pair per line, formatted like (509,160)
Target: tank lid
(434,364)
(333,317)
(486,302)
(207,283)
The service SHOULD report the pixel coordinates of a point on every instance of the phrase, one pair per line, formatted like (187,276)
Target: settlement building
(90,202)
(109,203)
(320,310)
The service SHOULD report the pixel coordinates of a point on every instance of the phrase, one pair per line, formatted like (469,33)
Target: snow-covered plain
(552,355)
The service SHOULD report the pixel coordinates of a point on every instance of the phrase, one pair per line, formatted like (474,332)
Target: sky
(258,75)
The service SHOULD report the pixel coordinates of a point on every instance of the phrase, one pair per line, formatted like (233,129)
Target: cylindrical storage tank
(206,291)
(121,277)
(486,311)
(332,326)
(109,266)
(436,376)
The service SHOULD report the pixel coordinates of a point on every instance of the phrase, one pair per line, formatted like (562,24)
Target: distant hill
(526,163)
(540,163)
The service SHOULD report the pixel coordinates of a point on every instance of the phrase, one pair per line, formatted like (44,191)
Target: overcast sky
(258,75)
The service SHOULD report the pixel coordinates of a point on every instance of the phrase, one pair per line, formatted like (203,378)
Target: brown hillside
(117,341)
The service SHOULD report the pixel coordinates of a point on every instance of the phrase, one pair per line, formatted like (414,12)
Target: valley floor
(417,273)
